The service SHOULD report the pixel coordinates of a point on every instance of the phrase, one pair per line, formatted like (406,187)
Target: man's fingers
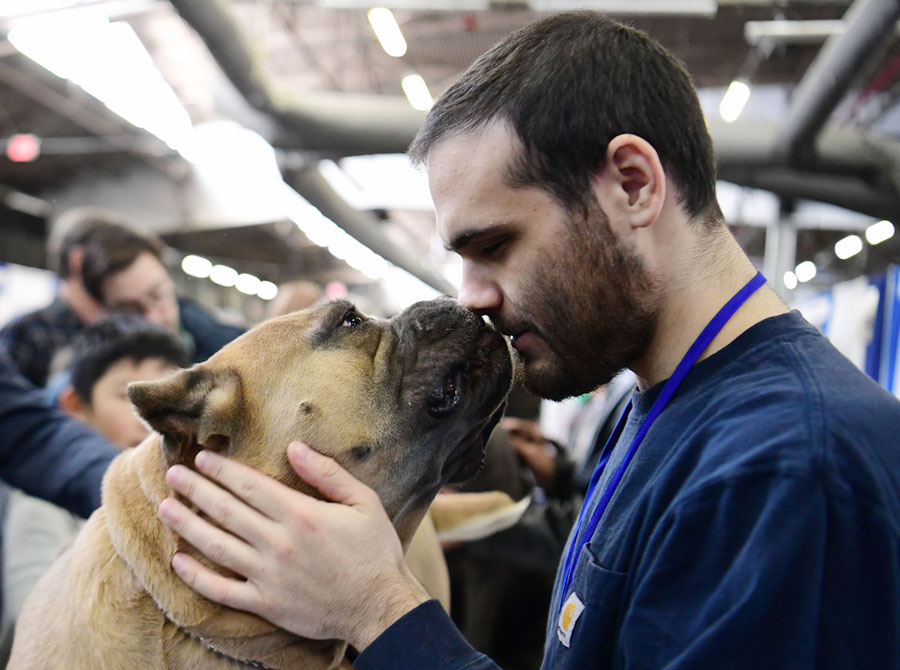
(218,546)
(219,504)
(328,477)
(230,592)
(251,486)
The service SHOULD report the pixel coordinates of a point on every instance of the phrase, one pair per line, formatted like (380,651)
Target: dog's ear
(194,409)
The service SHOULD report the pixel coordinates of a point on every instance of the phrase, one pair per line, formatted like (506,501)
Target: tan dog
(406,405)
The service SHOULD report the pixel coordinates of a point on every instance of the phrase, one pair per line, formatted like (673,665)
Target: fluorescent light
(432,5)
(196,266)
(11,8)
(387,31)
(325,233)
(223,275)
(733,101)
(109,61)
(792,32)
(879,232)
(682,7)
(267,290)
(790,280)
(417,92)
(805,271)
(247,283)
(848,246)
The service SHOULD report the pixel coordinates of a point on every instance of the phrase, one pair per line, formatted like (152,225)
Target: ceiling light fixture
(805,271)
(196,266)
(388,32)
(848,247)
(109,61)
(705,8)
(420,5)
(267,290)
(790,280)
(879,232)
(223,275)
(247,283)
(734,100)
(417,92)
(325,233)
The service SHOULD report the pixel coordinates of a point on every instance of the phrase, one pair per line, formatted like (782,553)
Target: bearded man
(746,513)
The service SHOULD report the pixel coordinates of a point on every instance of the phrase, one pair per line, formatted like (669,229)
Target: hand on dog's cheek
(318,569)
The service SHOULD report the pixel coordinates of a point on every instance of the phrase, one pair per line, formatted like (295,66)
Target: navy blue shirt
(758,526)
(33,338)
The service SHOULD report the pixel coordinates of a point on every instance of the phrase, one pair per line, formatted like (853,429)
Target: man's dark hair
(111,250)
(105,343)
(567,85)
(77,226)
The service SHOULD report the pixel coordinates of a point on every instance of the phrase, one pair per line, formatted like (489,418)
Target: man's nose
(478,292)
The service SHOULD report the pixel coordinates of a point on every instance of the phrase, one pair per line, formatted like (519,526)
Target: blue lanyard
(580,538)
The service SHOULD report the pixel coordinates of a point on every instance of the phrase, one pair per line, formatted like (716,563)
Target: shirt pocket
(593,633)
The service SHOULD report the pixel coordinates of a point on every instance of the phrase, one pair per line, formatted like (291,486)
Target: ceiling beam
(869,25)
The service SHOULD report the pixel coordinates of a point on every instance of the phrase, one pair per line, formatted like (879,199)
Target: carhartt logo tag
(567,618)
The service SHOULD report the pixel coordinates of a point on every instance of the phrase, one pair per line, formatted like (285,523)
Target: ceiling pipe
(849,169)
(758,33)
(753,143)
(837,190)
(336,124)
(869,24)
(362,226)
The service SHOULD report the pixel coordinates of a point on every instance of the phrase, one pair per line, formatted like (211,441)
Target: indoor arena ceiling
(311,78)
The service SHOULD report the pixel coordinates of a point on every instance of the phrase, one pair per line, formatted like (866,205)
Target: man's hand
(532,447)
(316,568)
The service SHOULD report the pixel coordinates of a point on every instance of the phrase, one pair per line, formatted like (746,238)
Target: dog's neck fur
(136,482)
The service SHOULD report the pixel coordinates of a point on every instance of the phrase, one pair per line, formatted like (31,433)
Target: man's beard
(593,308)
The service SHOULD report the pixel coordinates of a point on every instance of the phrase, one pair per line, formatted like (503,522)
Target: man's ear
(632,185)
(194,409)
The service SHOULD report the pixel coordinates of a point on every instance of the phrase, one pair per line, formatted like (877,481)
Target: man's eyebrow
(468,237)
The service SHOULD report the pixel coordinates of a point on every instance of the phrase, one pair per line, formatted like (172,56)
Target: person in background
(32,339)
(106,266)
(124,271)
(106,357)
(747,510)
(565,470)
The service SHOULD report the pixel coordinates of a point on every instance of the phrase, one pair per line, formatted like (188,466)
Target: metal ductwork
(336,124)
(331,124)
(850,170)
(869,25)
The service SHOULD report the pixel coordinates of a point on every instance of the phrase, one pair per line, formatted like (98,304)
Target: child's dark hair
(106,342)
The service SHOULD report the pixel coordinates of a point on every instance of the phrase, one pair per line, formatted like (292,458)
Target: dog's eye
(351,319)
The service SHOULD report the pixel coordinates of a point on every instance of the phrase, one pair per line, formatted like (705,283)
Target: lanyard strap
(581,537)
